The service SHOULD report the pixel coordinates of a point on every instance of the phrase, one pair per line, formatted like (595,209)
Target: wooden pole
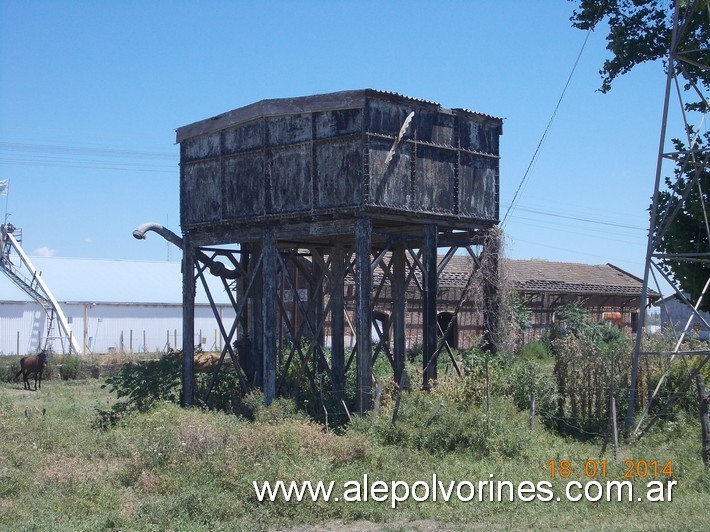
(257,315)
(488,394)
(188,321)
(614,428)
(395,413)
(316,314)
(399,304)
(269,313)
(490,263)
(704,419)
(532,411)
(337,321)
(86,327)
(430,339)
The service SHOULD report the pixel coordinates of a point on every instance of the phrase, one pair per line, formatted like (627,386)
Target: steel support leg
(363,311)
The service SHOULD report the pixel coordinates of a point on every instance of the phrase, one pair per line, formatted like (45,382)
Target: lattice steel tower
(686,101)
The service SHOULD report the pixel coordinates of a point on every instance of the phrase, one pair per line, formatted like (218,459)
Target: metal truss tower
(34,286)
(686,99)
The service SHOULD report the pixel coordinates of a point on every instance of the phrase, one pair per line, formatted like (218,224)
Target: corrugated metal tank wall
(346,151)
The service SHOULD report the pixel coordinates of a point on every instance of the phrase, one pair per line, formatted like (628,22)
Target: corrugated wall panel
(152,327)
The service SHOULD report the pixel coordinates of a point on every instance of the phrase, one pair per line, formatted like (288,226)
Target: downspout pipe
(166,233)
(216,268)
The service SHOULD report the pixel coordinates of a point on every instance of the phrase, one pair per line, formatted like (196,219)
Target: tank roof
(351,99)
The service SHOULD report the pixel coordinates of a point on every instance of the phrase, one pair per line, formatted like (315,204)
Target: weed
(70,367)
(168,468)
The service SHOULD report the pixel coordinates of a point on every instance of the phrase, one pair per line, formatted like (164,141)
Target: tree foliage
(688,232)
(640,31)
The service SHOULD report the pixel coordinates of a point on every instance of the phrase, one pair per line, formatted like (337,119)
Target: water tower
(286,198)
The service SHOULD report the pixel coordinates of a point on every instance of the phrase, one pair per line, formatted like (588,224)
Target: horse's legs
(40,379)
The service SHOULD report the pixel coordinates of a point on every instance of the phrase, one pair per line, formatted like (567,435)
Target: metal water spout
(166,233)
(216,268)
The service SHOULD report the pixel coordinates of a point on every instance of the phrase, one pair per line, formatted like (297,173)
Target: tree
(688,233)
(641,31)
(638,32)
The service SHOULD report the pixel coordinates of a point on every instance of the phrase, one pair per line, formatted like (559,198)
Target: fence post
(704,419)
(614,428)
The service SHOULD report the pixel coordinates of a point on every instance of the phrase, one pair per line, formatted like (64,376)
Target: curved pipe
(216,268)
(166,233)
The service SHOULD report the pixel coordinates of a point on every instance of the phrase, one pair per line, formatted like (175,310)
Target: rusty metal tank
(393,158)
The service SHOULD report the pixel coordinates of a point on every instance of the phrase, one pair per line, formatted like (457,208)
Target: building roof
(543,276)
(568,277)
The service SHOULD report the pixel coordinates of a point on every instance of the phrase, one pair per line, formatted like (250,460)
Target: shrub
(592,362)
(430,422)
(70,368)
(536,350)
(527,377)
(9,369)
(139,385)
(685,403)
(279,410)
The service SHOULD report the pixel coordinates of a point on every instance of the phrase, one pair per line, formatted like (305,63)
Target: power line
(547,129)
(579,219)
(83,150)
(595,233)
(66,156)
(88,164)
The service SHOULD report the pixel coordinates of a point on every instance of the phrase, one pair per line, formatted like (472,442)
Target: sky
(91,94)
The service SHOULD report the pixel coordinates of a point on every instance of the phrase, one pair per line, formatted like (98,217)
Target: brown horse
(33,364)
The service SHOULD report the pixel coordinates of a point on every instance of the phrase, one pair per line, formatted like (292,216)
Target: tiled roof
(557,277)
(541,276)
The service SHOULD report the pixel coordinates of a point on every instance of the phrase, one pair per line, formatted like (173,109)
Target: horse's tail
(17,374)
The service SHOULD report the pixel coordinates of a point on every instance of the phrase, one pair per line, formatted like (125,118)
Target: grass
(175,469)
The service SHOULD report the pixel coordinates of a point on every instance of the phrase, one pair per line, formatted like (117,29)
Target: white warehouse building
(111,305)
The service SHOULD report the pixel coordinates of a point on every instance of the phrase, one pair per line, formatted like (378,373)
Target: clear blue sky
(91,94)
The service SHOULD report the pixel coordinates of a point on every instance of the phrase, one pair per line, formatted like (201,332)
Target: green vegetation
(162,467)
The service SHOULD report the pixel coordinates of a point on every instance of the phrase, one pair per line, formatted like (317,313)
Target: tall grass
(169,468)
